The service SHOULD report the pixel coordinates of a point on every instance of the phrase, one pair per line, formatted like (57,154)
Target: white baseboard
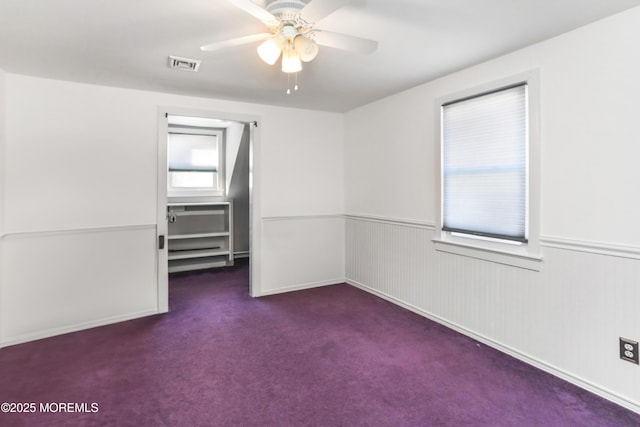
(238,255)
(73,328)
(302,287)
(602,392)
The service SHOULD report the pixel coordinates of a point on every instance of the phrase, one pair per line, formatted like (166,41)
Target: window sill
(517,258)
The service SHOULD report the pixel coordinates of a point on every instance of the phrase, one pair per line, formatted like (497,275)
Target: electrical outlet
(629,350)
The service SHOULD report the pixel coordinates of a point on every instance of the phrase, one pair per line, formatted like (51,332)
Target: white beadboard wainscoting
(565,319)
(301,252)
(62,281)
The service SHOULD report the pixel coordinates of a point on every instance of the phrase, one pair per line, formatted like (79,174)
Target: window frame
(523,255)
(173,192)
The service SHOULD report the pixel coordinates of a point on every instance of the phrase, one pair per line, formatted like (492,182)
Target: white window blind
(485,164)
(193,161)
(189,152)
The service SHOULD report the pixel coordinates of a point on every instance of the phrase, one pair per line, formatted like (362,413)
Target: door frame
(161,203)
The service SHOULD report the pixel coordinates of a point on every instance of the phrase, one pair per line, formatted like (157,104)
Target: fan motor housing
(286,9)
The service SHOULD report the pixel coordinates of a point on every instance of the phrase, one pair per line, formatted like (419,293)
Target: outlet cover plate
(629,350)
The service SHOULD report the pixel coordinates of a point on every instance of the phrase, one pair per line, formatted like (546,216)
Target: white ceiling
(126,43)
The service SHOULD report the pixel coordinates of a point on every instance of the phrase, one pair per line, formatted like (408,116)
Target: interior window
(484,158)
(489,171)
(195,162)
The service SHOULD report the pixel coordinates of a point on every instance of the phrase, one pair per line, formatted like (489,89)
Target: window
(487,143)
(195,162)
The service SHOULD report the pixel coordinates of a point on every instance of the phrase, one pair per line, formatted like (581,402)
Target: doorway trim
(161,202)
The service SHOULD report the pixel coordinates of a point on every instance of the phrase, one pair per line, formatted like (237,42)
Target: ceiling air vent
(184,64)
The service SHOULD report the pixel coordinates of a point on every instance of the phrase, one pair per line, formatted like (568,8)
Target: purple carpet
(332,356)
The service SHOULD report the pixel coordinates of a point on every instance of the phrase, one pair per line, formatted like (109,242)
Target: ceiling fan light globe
(291,61)
(269,51)
(306,48)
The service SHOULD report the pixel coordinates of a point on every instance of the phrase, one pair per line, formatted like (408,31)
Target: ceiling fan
(292,32)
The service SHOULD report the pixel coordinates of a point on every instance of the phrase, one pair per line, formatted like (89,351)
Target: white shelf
(198,204)
(197,253)
(176,267)
(194,230)
(202,212)
(197,235)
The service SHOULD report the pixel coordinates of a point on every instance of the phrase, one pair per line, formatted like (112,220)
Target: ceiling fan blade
(256,11)
(345,42)
(235,42)
(315,10)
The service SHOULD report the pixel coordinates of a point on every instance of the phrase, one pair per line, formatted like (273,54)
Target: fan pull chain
(295,87)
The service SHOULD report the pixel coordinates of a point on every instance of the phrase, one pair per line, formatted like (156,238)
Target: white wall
(305,209)
(2,148)
(238,184)
(2,168)
(81,173)
(233,137)
(568,317)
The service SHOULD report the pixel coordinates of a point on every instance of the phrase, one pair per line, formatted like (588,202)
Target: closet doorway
(205,194)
